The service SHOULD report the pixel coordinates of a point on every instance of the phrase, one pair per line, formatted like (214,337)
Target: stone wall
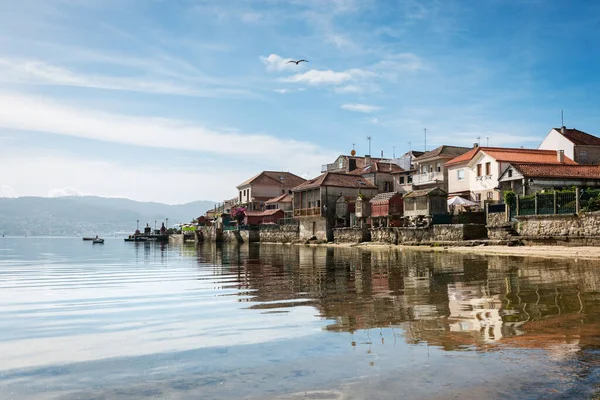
(496,219)
(585,224)
(320,228)
(351,235)
(211,234)
(430,234)
(283,234)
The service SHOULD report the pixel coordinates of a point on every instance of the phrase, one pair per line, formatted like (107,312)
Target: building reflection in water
(452,301)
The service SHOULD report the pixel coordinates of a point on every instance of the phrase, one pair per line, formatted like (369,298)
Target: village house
(272,216)
(380,173)
(315,201)
(579,146)
(345,164)
(425,202)
(267,185)
(431,171)
(474,175)
(527,178)
(283,202)
(403,177)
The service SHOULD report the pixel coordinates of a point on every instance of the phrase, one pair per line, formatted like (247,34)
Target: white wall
(485,183)
(456,185)
(556,141)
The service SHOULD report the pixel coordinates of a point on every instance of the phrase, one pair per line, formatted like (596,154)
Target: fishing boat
(98,241)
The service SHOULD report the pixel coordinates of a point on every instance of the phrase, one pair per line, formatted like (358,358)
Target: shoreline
(571,252)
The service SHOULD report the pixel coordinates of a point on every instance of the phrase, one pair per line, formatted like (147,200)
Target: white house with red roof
(256,191)
(577,145)
(474,175)
(529,178)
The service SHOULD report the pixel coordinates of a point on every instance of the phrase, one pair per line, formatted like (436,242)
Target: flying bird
(297,62)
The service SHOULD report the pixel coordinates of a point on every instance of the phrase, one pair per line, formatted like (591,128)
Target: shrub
(510,198)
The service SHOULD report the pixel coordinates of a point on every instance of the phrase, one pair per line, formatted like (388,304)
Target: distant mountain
(86,215)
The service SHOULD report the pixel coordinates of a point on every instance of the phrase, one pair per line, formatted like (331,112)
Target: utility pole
(369,139)
(425,130)
(487,141)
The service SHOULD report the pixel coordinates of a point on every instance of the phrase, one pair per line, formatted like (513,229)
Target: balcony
(428,177)
(307,212)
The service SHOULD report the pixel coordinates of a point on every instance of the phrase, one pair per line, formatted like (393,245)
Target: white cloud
(374,121)
(66,191)
(328,77)
(75,175)
(37,114)
(276,63)
(282,91)
(7,191)
(42,73)
(363,108)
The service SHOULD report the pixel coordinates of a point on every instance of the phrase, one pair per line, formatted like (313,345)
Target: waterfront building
(474,175)
(579,146)
(267,185)
(528,178)
(430,169)
(315,201)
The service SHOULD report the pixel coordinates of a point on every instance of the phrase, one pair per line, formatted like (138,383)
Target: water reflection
(133,320)
(452,301)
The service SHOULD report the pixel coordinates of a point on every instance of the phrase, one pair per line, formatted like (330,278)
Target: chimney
(475,145)
(560,155)
(563,129)
(367,160)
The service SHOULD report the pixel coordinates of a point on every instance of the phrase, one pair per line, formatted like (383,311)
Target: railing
(428,177)
(307,212)
(547,203)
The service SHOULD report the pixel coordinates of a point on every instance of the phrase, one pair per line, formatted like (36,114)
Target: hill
(86,215)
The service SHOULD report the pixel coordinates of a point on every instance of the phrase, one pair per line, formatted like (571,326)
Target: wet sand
(582,252)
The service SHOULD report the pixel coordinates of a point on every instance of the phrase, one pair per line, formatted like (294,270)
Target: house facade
(403,178)
(430,169)
(283,202)
(425,202)
(527,178)
(380,173)
(579,146)
(345,164)
(256,191)
(474,175)
(315,201)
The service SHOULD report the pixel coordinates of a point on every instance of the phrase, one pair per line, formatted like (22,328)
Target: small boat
(88,238)
(98,241)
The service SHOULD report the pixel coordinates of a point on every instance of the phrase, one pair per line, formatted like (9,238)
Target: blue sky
(177,101)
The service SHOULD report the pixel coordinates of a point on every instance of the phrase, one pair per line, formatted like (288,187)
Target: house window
(387,186)
(478,196)
(240,196)
(409,179)
(341,163)
(490,195)
(478,169)
(431,168)
(401,180)
(461,174)
(510,172)
(488,169)
(439,167)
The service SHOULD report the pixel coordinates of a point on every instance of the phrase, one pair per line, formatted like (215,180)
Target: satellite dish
(353,152)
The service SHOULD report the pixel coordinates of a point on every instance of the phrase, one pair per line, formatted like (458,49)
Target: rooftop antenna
(369,139)
(562,120)
(393,151)
(487,141)
(479,140)
(425,130)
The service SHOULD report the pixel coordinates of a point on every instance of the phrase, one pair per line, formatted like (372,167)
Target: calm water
(140,320)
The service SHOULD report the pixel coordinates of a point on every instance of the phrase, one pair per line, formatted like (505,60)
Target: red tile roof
(579,138)
(512,155)
(377,166)
(284,198)
(443,152)
(530,170)
(289,179)
(337,180)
